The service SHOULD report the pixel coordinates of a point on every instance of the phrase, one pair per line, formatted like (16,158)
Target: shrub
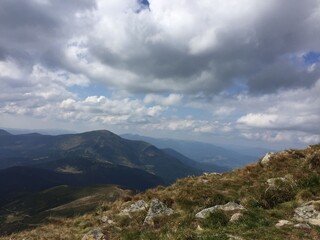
(305,195)
(282,191)
(216,199)
(216,219)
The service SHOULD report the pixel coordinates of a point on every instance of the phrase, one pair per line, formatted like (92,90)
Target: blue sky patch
(311,57)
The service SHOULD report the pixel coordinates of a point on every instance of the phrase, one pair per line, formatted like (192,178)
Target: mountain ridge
(102,145)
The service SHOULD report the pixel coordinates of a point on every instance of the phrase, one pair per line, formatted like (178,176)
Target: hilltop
(277,197)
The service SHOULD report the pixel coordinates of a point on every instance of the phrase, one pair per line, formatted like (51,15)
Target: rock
(282,223)
(235,217)
(231,237)
(199,228)
(157,208)
(230,206)
(272,182)
(266,159)
(106,219)
(95,234)
(135,207)
(308,213)
(302,226)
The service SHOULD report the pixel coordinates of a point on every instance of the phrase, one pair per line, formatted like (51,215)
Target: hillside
(104,146)
(16,181)
(275,198)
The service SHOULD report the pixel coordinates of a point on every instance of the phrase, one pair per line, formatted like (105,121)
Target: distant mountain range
(32,162)
(208,156)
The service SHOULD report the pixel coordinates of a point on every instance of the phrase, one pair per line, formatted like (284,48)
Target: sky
(240,72)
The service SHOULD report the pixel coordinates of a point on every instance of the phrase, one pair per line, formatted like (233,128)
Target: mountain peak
(4,133)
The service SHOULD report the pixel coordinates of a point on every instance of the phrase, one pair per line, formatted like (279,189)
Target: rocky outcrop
(308,213)
(230,206)
(157,208)
(135,207)
(95,234)
(265,161)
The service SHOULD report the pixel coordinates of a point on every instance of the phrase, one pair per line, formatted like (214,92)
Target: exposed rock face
(230,206)
(95,234)
(308,213)
(157,208)
(235,217)
(282,223)
(266,159)
(135,207)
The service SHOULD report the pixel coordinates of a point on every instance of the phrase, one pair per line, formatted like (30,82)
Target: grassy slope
(190,195)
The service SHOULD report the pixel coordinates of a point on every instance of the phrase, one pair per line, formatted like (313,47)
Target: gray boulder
(134,207)
(157,208)
(308,213)
(236,217)
(282,223)
(95,234)
(302,226)
(230,206)
(265,161)
(107,220)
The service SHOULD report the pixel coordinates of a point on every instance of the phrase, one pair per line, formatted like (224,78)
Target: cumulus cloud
(241,68)
(171,100)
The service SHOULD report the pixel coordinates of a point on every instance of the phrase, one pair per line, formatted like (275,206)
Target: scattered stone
(212,174)
(157,208)
(231,237)
(134,207)
(302,226)
(266,159)
(230,206)
(235,217)
(282,223)
(95,234)
(106,219)
(308,213)
(274,182)
(199,228)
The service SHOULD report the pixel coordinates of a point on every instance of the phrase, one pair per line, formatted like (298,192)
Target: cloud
(171,100)
(248,69)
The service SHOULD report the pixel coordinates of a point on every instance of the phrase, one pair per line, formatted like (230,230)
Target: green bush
(283,191)
(216,219)
(216,199)
(311,181)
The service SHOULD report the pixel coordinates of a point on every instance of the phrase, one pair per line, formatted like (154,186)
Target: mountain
(206,153)
(198,165)
(103,146)
(4,133)
(277,197)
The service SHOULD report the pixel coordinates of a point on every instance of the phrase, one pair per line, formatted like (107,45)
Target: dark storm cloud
(31,31)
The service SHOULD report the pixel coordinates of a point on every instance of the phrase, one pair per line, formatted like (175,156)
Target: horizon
(230,73)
